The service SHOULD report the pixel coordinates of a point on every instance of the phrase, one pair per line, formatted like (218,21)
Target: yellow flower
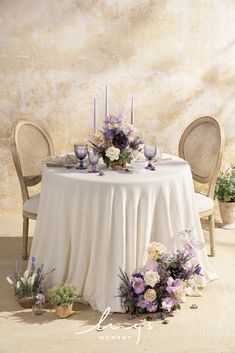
(150,295)
(97,140)
(155,250)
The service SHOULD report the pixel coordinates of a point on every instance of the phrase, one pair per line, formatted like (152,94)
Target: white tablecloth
(88,225)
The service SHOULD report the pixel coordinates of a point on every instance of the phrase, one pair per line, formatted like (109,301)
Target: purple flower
(197,270)
(138,284)
(120,140)
(173,285)
(112,119)
(151,307)
(40,298)
(190,244)
(142,302)
(168,303)
(109,133)
(150,265)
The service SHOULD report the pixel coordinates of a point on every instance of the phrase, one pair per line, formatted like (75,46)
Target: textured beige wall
(177,57)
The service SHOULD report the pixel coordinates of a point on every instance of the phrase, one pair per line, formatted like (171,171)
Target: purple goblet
(80,150)
(150,153)
(93,158)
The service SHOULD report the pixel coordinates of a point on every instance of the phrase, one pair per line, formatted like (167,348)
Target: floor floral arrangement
(158,287)
(161,284)
(29,283)
(117,142)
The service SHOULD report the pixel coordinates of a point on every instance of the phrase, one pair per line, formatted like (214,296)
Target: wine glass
(80,150)
(93,157)
(150,153)
(159,153)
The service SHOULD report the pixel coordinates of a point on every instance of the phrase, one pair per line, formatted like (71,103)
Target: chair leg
(25,237)
(212,234)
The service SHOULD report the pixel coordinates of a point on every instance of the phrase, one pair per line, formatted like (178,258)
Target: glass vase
(37,309)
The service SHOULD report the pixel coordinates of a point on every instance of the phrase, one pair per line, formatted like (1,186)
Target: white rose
(151,278)
(112,153)
(150,295)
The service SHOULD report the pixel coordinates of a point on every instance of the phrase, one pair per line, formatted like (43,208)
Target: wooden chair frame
(211,180)
(29,180)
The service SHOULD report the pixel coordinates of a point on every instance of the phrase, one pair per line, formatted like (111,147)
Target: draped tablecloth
(89,226)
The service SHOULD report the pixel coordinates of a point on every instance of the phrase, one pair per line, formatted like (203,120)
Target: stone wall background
(177,57)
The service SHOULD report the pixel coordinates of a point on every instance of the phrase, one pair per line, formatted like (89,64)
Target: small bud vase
(37,309)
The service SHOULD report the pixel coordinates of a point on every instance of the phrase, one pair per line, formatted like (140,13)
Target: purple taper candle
(106,101)
(95,116)
(132,110)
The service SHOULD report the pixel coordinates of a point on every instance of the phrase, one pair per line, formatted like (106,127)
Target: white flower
(23,280)
(151,278)
(150,295)
(33,278)
(26,274)
(9,280)
(17,284)
(155,250)
(112,153)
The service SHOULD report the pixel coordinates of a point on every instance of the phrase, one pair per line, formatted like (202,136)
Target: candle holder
(80,151)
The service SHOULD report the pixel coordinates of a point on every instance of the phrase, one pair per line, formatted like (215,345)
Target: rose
(180,294)
(150,295)
(112,153)
(151,278)
(155,250)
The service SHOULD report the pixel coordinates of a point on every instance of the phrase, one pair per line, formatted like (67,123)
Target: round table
(89,226)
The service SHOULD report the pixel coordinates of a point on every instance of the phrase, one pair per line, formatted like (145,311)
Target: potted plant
(27,284)
(225,194)
(63,297)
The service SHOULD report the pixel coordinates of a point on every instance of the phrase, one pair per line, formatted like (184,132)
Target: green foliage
(124,157)
(225,186)
(63,295)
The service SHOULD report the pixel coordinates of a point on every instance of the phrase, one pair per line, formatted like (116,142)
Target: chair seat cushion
(203,203)
(31,205)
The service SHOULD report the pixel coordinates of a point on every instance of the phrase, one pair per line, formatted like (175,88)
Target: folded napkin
(61,160)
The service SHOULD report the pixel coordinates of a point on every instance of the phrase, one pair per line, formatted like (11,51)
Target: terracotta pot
(26,302)
(227,211)
(64,311)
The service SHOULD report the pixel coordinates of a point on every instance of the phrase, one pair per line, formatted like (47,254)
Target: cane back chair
(201,145)
(30,145)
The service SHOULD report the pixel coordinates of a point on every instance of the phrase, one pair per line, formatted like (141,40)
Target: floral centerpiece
(160,285)
(27,284)
(117,141)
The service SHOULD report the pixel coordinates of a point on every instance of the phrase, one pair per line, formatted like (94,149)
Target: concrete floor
(210,328)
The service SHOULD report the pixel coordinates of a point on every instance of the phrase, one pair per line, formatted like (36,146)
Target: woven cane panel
(33,149)
(201,149)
